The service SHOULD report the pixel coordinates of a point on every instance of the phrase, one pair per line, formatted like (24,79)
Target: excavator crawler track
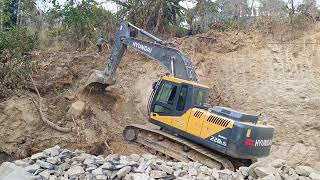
(178,148)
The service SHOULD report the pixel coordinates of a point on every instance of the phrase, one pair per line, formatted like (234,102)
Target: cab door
(169,105)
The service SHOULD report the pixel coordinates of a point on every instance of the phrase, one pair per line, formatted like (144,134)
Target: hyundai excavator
(182,126)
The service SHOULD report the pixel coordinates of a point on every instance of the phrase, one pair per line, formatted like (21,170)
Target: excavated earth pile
(244,72)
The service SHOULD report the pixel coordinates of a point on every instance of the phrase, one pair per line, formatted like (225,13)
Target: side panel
(196,120)
(179,122)
(214,124)
(249,140)
(216,130)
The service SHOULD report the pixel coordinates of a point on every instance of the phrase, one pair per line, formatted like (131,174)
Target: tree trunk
(291,14)
(18,13)
(251,8)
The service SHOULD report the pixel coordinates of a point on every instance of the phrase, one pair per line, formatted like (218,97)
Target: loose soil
(244,72)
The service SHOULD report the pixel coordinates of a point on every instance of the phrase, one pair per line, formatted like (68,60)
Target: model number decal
(218,141)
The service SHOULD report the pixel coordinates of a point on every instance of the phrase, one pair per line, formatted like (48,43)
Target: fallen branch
(108,147)
(39,107)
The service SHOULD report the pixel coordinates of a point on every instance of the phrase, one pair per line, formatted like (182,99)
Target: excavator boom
(178,64)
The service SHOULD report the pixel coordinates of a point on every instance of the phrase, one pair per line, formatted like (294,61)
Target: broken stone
(114,158)
(269,177)
(278,163)
(99,160)
(183,178)
(143,166)
(97,172)
(45,174)
(224,174)
(21,163)
(66,154)
(148,156)
(37,156)
(304,178)
(236,176)
(80,158)
(165,169)
(45,165)
(215,175)
(75,171)
(252,167)
(123,171)
(304,170)
(139,176)
(314,176)
(278,176)
(9,171)
(76,109)
(244,171)
(88,161)
(38,171)
(53,160)
(107,165)
(101,177)
(157,174)
(180,173)
(32,168)
(264,171)
(133,163)
(293,177)
(54,151)
(53,177)
(134,157)
(193,172)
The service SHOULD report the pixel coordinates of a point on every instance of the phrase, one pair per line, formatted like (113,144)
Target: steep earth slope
(243,70)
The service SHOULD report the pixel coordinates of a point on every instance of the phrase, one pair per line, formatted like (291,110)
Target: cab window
(182,98)
(167,93)
(200,97)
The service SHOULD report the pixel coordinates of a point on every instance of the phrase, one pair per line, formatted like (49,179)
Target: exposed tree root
(43,118)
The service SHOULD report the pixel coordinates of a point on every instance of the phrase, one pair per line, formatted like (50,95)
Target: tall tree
(156,16)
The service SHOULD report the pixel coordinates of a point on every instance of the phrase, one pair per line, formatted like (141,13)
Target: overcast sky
(108,5)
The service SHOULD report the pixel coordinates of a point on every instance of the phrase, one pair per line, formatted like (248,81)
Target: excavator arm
(176,62)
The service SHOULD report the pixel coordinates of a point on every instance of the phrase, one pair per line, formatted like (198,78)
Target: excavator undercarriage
(165,143)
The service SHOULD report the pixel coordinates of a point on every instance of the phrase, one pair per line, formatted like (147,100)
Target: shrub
(15,63)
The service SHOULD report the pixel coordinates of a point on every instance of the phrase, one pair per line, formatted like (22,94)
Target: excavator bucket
(98,80)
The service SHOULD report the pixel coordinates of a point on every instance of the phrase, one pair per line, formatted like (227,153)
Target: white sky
(111,6)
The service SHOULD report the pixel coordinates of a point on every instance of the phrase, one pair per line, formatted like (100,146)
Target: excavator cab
(180,106)
(174,96)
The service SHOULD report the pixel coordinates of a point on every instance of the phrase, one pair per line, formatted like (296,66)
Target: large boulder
(265,171)
(76,109)
(304,170)
(314,176)
(9,171)
(252,167)
(278,163)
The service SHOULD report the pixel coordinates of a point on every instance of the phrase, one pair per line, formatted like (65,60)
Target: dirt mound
(278,80)
(243,71)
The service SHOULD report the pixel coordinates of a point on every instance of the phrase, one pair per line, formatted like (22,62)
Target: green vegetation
(15,64)
(76,24)
(80,22)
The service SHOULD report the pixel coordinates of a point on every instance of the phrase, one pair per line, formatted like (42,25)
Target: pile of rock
(277,170)
(60,164)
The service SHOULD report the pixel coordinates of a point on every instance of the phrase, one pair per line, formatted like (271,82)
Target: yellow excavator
(182,126)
